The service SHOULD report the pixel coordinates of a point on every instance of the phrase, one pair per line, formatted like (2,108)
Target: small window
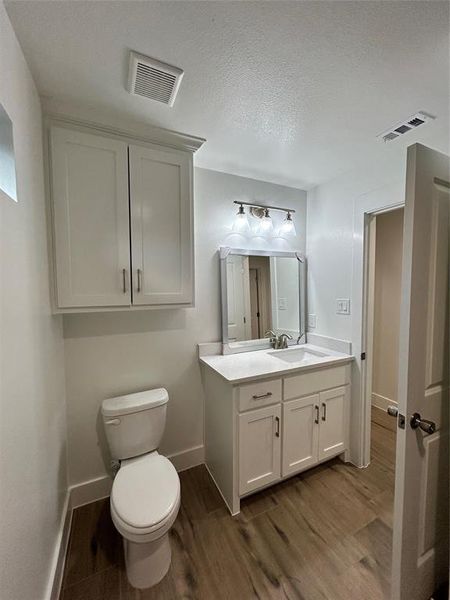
(7,159)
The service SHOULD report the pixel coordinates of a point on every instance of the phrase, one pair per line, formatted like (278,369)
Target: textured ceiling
(290,92)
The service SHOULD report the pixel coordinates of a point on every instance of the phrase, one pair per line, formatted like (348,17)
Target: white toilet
(145,495)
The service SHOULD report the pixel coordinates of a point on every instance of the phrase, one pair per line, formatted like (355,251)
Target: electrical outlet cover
(312,321)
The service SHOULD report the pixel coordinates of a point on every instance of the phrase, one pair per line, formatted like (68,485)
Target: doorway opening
(381,331)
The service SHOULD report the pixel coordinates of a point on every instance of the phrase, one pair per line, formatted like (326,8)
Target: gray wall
(112,353)
(32,405)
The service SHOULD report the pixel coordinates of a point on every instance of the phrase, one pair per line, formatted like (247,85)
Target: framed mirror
(261,291)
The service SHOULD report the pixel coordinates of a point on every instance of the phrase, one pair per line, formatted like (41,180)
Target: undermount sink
(292,355)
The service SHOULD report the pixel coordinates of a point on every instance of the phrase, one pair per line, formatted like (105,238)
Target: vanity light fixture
(240,224)
(262,213)
(287,226)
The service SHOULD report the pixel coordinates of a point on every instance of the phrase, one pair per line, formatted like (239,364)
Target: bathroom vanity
(270,414)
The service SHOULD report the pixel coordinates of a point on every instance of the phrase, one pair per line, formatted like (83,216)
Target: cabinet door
(161,226)
(91,222)
(259,448)
(333,422)
(300,434)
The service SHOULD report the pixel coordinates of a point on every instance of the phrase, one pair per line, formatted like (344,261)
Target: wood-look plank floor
(323,535)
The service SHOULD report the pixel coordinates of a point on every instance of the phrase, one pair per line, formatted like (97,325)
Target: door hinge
(363,356)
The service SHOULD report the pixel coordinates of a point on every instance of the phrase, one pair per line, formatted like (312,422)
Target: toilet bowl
(145,495)
(145,500)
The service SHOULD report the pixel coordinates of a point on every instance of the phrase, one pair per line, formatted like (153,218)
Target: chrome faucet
(278,342)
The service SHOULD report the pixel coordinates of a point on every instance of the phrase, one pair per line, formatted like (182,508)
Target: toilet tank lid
(131,403)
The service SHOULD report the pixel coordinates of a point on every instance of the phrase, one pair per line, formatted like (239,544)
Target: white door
(420,549)
(91,223)
(259,448)
(333,430)
(300,434)
(161,226)
(238,298)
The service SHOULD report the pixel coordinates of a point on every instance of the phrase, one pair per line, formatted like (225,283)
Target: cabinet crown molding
(140,132)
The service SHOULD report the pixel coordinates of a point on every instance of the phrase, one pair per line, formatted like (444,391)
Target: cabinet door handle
(324,414)
(139,275)
(262,396)
(316,420)
(277,426)
(124,280)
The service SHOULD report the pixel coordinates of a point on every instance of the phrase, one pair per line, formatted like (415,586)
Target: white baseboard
(59,557)
(90,491)
(188,458)
(100,487)
(382,402)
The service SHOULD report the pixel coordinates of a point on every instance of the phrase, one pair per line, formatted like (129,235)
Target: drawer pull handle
(324,415)
(316,420)
(262,396)
(277,429)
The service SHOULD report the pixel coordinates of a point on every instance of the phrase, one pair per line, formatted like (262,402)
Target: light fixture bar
(253,205)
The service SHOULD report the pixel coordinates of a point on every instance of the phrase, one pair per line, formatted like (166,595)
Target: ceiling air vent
(400,129)
(153,79)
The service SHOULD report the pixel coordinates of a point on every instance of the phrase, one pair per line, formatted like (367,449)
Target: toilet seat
(145,497)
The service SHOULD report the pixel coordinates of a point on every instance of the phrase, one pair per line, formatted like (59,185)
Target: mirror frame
(260,344)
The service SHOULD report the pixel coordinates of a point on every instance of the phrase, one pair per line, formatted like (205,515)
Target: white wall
(32,406)
(386,330)
(330,227)
(112,353)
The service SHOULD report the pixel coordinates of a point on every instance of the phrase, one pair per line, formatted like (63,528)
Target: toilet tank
(134,423)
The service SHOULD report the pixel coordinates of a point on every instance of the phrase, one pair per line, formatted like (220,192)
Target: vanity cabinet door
(300,434)
(259,448)
(89,183)
(161,226)
(333,429)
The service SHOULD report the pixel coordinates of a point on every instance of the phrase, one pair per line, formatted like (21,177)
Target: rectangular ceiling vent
(153,79)
(400,129)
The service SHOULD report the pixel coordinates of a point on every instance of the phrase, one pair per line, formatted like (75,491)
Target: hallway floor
(324,534)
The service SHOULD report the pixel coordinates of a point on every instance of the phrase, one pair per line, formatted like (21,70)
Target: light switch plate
(342,306)
(312,321)
(282,303)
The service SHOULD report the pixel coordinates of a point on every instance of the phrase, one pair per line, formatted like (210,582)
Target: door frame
(384,199)
(368,320)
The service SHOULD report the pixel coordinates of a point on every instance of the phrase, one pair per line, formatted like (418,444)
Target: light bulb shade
(265,224)
(240,224)
(287,227)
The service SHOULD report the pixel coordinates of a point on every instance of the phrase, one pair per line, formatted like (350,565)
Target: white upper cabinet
(89,178)
(122,220)
(161,226)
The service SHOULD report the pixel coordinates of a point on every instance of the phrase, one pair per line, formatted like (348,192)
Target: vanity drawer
(259,393)
(315,381)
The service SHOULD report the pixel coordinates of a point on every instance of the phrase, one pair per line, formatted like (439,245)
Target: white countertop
(245,366)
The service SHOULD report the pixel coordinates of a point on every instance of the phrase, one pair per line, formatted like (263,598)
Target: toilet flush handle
(113,422)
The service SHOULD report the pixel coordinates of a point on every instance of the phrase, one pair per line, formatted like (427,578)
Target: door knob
(427,426)
(392,411)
